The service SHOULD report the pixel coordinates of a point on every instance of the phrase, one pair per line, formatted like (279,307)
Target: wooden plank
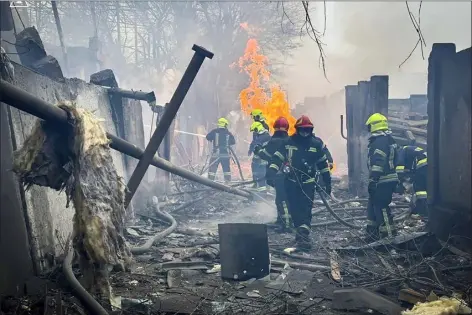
(412,123)
(414,130)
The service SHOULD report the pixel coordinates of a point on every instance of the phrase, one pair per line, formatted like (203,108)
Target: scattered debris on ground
(342,274)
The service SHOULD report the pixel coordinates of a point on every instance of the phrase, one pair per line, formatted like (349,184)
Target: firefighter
(383,178)
(412,163)
(281,127)
(300,157)
(257,116)
(221,138)
(258,166)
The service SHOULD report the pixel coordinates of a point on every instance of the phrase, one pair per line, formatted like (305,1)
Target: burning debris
(78,160)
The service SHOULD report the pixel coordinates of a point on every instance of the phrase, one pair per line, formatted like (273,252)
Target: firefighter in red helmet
(300,157)
(266,152)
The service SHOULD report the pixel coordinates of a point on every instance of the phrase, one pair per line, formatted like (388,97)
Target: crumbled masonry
(78,160)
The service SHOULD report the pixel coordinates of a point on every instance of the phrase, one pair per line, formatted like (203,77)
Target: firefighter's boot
(302,238)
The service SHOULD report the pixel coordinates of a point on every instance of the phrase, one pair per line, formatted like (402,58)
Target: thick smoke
(368,38)
(371,38)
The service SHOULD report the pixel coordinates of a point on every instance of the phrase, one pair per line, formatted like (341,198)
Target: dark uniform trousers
(215,161)
(258,168)
(283,214)
(300,202)
(419,185)
(379,215)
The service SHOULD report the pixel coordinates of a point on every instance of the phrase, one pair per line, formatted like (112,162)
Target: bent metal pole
(166,120)
(27,102)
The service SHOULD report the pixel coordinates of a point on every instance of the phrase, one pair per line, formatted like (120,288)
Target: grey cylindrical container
(244,251)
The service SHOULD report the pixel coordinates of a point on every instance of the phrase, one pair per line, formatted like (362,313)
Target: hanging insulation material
(76,158)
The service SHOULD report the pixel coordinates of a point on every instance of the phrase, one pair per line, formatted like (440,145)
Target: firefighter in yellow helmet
(412,166)
(258,166)
(257,116)
(221,138)
(383,178)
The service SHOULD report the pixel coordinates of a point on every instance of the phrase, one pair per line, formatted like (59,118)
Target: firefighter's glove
(330,166)
(328,190)
(372,187)
(257,148)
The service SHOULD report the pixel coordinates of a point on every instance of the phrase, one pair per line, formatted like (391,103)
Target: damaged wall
(449,143)
(18,267)
(50,221)
(362,100)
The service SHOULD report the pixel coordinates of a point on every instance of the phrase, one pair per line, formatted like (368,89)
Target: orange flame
(274,105)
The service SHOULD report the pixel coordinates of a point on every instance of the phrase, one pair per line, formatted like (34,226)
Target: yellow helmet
(257,127)
(223,122)
(377,122)
(256,112)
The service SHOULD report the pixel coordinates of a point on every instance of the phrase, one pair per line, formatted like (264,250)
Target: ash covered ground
(181,273)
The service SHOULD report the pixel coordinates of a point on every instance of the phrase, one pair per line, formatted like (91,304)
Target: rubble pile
(182,273)
(344,273)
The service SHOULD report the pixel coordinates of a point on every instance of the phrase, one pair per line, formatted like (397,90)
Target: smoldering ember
(178,157)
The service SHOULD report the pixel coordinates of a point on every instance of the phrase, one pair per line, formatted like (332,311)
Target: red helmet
(303,122)
(281,124)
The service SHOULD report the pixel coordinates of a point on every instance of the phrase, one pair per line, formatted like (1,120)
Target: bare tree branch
(315,35)
(417,25)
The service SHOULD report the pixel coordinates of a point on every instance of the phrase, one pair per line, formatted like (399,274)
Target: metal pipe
(30,104)
(166,120)
(61,34)
(149,97)
(236,160)
(342,127)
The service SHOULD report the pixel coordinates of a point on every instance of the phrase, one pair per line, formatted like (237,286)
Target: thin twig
(311,30)
(417,25)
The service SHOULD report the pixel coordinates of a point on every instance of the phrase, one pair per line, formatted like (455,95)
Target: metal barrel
(244,251)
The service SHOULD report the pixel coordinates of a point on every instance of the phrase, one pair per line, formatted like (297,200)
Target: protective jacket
(259,139)
(221,138)
(413,162)
(302,157)
(382,158)
(274,143)
(410,158)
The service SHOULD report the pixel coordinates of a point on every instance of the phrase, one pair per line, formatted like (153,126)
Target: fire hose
(331,211)
(84,296)
(236,160)
(137,250)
